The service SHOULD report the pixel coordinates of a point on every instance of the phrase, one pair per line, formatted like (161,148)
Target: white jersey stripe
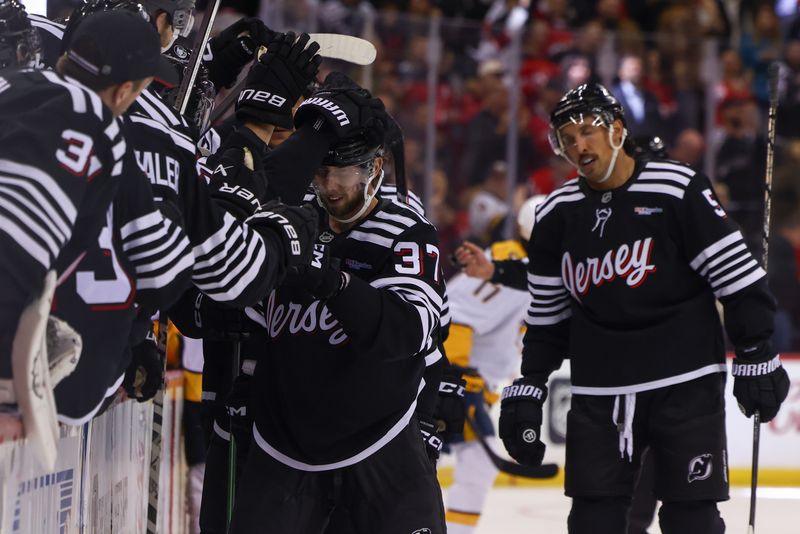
(49,185)
(663,165)
(382,226)
(543,210)
(34,226)
(371,238)
(657,188)
(149,220)
(400,219)
(549,319)
(76,93)
(645,175)
(43,208)
(741,283)
(715,248)
(722,257)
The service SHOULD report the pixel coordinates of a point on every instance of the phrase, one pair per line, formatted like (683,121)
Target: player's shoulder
(507,250)
(389,192)
(392,222)
(152,105)
(44,24)
(47,90)
(563,197)
(666,177)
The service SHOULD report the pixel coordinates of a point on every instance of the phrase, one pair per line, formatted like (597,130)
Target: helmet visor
(344,178)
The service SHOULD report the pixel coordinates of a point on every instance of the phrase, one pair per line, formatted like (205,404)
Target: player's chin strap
(616,149)
(367,200)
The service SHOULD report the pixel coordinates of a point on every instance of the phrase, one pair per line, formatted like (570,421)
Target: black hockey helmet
(93,6)
(650,147)
(589,99)
(20,45)
(201,95)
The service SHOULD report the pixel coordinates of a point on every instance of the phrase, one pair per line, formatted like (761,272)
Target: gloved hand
(294,226)
(322,277)
(239,183)
(145,374)
(233,48)
(433,443)
(346,108)
(199,316)
(759,382)
(521,420)
(451,410)
(277,80)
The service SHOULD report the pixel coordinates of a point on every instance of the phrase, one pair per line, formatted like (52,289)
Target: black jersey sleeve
(231,260)
(546,339)
(717,251)
(397,313)
(511,273)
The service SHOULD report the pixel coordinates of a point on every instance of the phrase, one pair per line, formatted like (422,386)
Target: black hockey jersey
(140,256)
(50,35)
(624,282)
(341,377)
(61,158)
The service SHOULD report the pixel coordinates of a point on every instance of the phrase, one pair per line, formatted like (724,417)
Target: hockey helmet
(20,45)
(526,217)
(94,6)
(650,147)
(587,100)
(201,95)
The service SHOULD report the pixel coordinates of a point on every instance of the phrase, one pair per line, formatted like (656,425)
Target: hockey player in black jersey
(625,267)
(60,176)
(335,393)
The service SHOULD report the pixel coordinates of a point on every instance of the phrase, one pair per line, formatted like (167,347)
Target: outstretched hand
(472,260)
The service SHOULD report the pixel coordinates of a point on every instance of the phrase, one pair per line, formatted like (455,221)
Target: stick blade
(345,47)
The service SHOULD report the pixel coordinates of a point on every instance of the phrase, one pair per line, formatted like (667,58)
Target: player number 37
(412,258)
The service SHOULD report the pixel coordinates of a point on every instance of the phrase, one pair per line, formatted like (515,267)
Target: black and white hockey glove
(430,436)
(451,410)
(294,226)
(277,80)
(759,382)
(233,48)
(346,108)
(521,420)
(145,374)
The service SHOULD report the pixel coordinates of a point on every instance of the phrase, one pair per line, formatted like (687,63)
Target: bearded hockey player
(335,394)
(626,263)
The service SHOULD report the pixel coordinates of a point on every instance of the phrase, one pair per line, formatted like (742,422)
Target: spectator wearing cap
(116,54)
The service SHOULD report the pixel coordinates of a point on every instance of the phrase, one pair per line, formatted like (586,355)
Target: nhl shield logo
(700,467)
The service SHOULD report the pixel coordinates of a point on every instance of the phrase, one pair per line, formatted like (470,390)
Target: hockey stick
(182,99)
(507,466)
(331,45)
(773,110)
(237,357)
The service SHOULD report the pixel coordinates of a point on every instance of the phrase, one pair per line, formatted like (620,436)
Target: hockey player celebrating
(61,176)
(335,395)
(626,263)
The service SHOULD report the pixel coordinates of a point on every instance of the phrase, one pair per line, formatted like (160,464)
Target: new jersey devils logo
(700,467)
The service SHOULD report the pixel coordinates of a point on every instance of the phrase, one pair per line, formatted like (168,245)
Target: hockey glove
(322,277)
(521,420)
(199,316)
(277,80)
(759,382)
(451,410)
(294,226)
(238,183)
(145,374)
(433,443)
(233,48)
(346,108)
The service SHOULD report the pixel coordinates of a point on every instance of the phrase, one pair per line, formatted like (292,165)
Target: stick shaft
(182,99)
